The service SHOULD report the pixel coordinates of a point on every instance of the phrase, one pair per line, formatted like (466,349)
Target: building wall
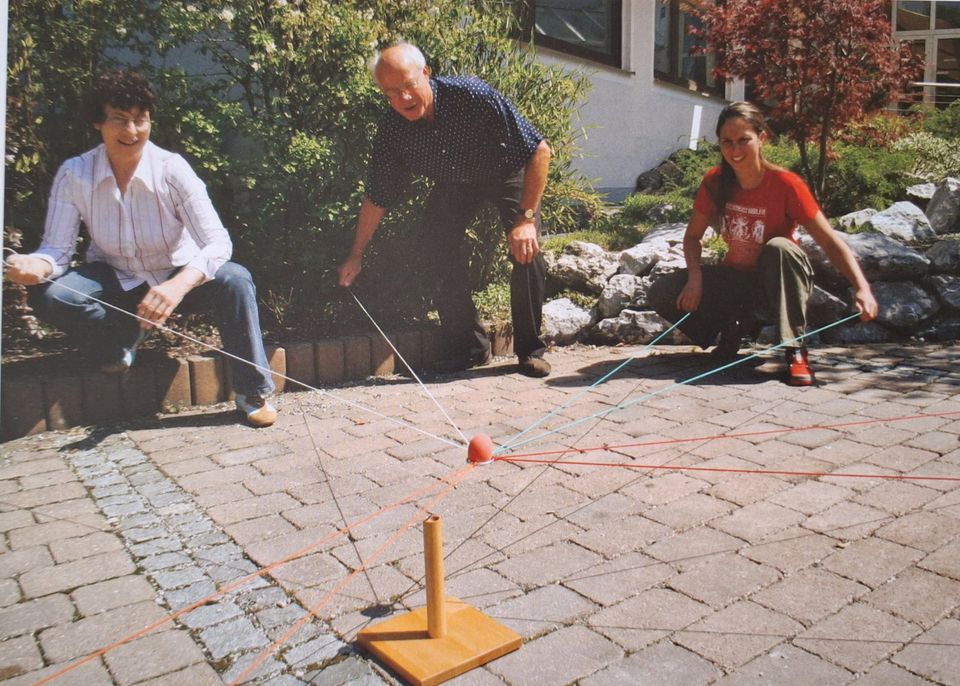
(633,121)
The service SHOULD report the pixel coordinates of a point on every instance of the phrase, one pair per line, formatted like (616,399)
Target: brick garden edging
(35,403)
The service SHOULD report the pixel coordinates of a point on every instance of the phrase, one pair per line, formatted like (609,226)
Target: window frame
(674,48)
(526,15)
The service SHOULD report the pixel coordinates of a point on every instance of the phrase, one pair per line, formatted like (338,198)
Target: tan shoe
(259,412)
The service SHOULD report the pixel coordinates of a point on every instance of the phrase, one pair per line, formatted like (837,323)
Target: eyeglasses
(140,123)
(405,89)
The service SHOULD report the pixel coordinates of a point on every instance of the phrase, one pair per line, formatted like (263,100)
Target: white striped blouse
(165,220)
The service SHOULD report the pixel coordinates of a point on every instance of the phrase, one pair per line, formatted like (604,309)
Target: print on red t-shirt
(752,217)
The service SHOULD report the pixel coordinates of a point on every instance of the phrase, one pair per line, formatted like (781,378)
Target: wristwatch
(528,214)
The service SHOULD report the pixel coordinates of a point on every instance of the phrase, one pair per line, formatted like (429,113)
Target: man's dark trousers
(449,209)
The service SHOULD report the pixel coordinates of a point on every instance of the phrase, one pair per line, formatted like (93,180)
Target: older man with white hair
(473,144)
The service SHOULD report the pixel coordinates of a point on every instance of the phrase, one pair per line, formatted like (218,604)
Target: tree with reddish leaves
(814,64)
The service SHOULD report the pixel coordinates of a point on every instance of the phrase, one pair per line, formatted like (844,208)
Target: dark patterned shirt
(476,135)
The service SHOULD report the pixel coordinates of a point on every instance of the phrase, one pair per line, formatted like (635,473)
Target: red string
(731,470)
(743,434)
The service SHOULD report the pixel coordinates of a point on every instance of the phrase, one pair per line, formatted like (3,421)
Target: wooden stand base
(472,639)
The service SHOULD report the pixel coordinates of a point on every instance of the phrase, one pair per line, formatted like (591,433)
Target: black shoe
(728,345)
(461,363)
(537,367)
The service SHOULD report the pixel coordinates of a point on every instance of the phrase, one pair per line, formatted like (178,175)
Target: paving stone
(615,580)
(351,671)
(330,362)
(19,656)
(9,592)
(888,674)
(737,634)
(857,637)
(692,547)
(722,579)
(871,561)
(36,497)
(848,521)
(690,511)
(40,582)
(551,564)
(918,596)
(152,656)
(541,610)
(758,521)
(27,617)
(78,548)
(232,636)
(194,675)
(558,658)
(945,561)
(647,617)
(791,549)
(69,641)
(927,531)
(89,674)
(935,654)
(315,652)
(16,562)
(107,595)
(786,665)
(663,663)
(809,595)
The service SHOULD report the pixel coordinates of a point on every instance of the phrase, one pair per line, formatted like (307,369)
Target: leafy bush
(674,206)
(931,156)
(943,123)
(275,108)
(865,177)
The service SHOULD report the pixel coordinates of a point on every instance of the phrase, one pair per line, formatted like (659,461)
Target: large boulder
(943,210)
(947,289)
(905,221)
(617,294)
(944,257)
(903,304)
(632,326)
(563,322)
(881,258)
(856,220)
(921,193)
(582,266)
(639,259)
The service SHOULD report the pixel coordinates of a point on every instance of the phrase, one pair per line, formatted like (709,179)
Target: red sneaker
(798,367)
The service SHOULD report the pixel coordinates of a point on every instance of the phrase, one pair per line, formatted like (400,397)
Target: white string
(409,368)
(213,348)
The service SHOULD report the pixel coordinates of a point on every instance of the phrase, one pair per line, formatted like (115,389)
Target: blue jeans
(231,295)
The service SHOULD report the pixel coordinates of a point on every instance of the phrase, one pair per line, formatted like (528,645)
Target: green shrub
(930,156)
(863,177)
(943,123)
(277,114)
(674,206)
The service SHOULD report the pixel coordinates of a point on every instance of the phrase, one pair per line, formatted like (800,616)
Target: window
(933,27)
(672,60)
(586,28)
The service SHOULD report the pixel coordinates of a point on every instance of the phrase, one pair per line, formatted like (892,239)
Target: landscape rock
(944,257)
(617,294)
(903,304)
(947,289)
(881,258)
(856,220)
(904,221)
(632,326)
(943,210)
(582,266)
(563,321)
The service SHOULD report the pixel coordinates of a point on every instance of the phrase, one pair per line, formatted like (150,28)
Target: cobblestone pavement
(132,550)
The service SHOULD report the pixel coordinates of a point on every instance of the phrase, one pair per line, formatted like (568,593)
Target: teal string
(509,444)
(622,406)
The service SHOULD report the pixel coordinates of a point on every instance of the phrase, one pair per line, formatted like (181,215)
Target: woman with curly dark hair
(156,244)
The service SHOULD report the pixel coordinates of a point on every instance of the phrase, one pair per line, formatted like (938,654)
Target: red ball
(480,450)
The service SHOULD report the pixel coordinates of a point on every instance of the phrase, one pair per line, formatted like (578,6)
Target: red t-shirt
(753,217)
